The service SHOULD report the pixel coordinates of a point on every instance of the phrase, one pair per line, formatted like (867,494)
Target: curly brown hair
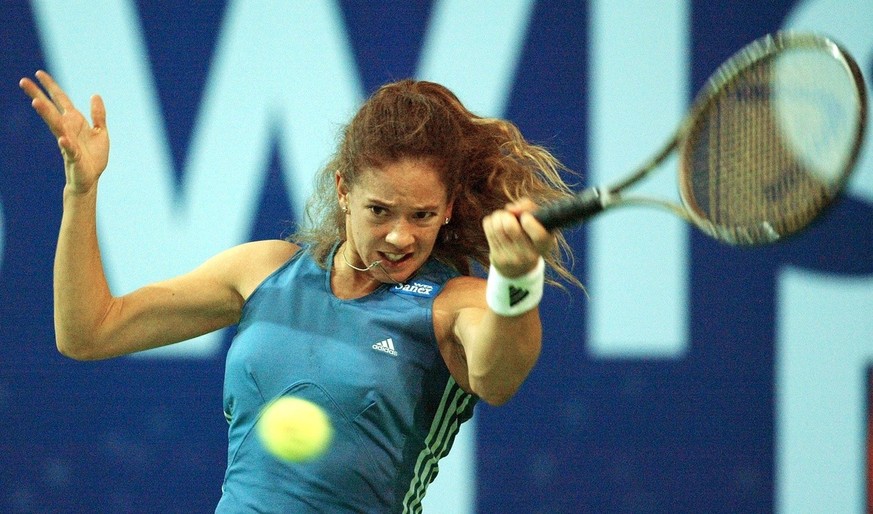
(485,163)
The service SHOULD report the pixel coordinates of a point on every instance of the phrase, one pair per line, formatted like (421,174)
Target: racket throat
(582,206)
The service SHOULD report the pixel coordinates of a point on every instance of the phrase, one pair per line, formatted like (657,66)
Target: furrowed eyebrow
(391,205)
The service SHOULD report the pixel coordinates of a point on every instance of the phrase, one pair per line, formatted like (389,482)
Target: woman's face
(394,216)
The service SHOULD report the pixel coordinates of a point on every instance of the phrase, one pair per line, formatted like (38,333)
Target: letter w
(270,82)
(283,75)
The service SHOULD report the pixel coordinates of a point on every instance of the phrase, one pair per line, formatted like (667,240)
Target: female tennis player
(372,309)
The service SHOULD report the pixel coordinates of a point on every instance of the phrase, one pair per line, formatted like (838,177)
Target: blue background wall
(718,380)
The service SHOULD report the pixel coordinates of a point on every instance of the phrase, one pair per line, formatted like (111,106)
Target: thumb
(98,112)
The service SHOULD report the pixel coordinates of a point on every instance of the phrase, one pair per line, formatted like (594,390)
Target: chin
(397,272)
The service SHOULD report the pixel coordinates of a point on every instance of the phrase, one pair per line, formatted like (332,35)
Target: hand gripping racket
(768,143)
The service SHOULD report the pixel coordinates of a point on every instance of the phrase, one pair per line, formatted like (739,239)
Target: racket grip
(580,207)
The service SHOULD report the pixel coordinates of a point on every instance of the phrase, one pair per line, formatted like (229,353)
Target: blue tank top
(372,363)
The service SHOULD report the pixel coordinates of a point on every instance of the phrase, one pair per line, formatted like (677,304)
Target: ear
(450,205)
(341,189)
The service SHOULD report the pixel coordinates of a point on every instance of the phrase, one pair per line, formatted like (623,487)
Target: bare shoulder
(267,249)
(461,292)
(248,264)
(462,298)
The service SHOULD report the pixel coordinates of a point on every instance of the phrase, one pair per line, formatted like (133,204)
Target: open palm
(85,148)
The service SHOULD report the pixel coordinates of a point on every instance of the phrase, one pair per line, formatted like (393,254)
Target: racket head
(772,138)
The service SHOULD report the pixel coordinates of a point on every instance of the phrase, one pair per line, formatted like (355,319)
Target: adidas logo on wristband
(514,296)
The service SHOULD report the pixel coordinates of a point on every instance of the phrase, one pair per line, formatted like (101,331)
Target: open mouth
(395,259)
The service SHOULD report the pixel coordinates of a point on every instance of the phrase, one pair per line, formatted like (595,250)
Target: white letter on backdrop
(638,259)
(473,48)
(268,80)
(825,333)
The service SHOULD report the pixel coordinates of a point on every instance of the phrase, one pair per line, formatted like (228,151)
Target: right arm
(90,323)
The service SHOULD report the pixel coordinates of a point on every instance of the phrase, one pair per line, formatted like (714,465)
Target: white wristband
(514,296)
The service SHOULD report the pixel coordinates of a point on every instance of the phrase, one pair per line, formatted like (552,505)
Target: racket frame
(756,51)
(594,200)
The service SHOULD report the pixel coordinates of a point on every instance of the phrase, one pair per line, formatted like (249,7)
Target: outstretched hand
(85,148)
(516,240)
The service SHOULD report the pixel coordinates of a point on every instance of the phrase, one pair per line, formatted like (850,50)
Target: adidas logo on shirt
(386,346)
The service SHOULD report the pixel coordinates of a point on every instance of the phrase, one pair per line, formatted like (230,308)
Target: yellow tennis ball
(294,429)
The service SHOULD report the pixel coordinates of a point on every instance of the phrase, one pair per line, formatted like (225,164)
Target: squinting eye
(424,215)
(376,210)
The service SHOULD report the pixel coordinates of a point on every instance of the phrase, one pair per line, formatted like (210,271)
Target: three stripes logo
(517,294)
(387,346)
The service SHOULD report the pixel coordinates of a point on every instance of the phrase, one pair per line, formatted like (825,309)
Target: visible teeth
(394,257)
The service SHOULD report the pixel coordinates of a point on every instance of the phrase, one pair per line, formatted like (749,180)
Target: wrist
(72,190)
(515,296)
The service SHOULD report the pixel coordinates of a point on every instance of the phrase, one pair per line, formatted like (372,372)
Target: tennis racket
(768,144)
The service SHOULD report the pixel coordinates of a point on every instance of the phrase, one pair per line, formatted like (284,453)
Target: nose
(401,234)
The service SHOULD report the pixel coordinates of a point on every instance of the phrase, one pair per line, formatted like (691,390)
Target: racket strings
(746,178)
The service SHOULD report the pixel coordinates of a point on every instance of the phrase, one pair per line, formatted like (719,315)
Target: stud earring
(446,222)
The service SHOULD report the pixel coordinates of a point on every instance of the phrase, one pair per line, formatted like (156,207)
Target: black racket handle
(580,207)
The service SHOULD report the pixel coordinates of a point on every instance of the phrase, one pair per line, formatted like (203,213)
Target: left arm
(493,354)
